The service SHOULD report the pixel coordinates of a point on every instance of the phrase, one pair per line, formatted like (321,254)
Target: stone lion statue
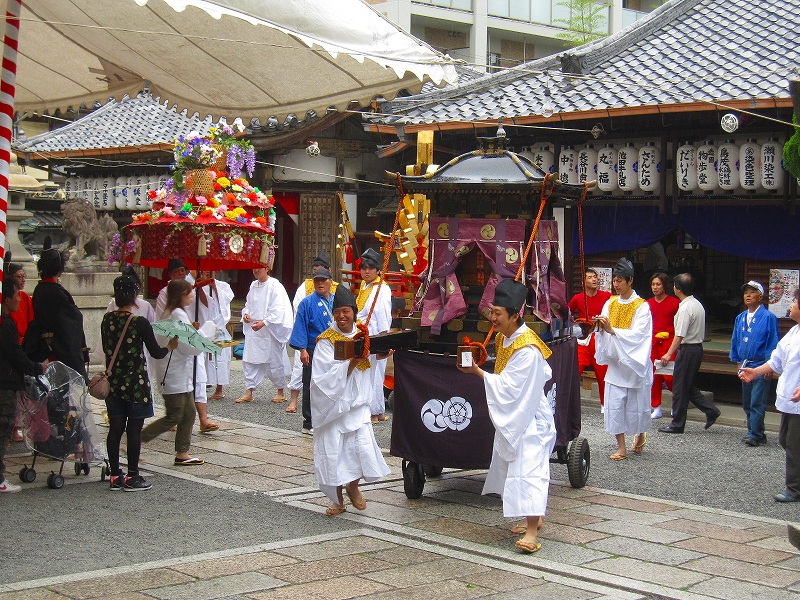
(91,235)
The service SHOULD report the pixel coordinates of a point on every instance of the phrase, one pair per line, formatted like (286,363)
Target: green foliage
(791,151)
(585,22)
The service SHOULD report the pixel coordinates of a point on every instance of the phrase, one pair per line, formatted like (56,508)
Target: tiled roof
(130,123)
(684,51)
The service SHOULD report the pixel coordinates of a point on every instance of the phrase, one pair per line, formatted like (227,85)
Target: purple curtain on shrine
(546,277)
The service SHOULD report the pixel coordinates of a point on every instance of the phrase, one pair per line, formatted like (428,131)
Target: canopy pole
(7,91)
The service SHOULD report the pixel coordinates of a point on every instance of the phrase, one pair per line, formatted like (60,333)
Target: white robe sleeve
(629,347)
(334,393)
(513,397)
(279,316)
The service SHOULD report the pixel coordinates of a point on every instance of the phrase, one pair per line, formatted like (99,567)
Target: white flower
(237,123)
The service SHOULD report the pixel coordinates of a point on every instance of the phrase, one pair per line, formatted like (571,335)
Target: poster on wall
(604,279)
(782,284)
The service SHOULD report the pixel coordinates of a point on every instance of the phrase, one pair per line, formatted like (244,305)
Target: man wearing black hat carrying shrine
(380,321)
(623,342)
(345,450)
(525,432)
(204,309)
(305,289)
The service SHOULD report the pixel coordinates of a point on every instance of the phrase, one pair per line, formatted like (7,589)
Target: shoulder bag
(99,387)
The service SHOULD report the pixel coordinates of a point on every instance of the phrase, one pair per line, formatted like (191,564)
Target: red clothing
(23,315)
(663,320)
(586,353)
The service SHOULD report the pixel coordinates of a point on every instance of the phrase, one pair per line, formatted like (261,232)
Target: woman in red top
(24,314)
(663,307)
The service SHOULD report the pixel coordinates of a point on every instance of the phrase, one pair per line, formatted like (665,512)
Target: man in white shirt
(218,366)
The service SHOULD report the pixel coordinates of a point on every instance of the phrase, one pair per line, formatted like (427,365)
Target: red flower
(151,194)
(217,187)
(252,196)
(207,213)
(261,220)
(230,199)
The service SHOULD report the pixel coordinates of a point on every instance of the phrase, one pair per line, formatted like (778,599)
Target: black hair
(684,283)
(51,263)
(10,286)
(796,295)
(513,312)
(662,277)
(12,268)
(590,270)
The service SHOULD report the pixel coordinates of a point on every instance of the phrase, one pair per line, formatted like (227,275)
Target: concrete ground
(250,523)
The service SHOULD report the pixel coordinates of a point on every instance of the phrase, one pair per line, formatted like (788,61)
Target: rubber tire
(579,460)
(390,401)
(50,480)
(431,471)
(413,480)
(86,468)
(105,472)
(58,482)
(27,475)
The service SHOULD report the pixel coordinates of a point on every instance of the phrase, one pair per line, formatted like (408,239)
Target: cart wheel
(57,481)
(578,461)
(85,468)
(413,479)
(28,475)
(105,472)
(431,471)
(390,401)
(50,480)
(77,468)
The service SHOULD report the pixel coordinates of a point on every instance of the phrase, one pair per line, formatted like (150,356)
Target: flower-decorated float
(207,212)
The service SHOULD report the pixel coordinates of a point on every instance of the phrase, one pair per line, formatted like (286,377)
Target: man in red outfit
(593,299)
(663,307)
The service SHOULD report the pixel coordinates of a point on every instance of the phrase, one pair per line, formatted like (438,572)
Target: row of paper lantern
(627,169)
(128,192)
(750,166)
(709,167)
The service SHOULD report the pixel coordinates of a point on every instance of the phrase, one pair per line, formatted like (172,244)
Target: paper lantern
(627,167)
(650,167)
(544,158)
(607,177)
(85,191)
(707,179)
(121,193)
(567,165)
(750,165)
(686,167)
(107,193)
(132,184)
(728,165)
(587,164)
(772,165)
(95,192)
(140,191)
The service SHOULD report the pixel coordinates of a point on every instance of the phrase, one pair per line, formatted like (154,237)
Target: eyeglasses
(23,276)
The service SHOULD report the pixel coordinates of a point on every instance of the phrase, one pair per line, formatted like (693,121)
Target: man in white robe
(267,325)
(345,450)
(379,322)
(624,342)
(525,431)
(305,289)
(203,310)
(218,366)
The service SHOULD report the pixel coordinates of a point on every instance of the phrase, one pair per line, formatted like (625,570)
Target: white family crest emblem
(455,414)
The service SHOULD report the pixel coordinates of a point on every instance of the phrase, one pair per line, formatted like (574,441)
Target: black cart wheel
(105,472)
(50,480)
(77,468)
(85,467)
(55,482)
(390,401)
(27,475)
(413,479)
(578,462)
(431,471)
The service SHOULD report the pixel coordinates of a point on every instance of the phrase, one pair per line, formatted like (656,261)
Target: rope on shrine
(546,192)
(585,321)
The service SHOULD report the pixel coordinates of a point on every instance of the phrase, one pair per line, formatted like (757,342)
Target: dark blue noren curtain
(621,228)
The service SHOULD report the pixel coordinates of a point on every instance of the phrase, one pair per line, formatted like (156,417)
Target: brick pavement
(452,542)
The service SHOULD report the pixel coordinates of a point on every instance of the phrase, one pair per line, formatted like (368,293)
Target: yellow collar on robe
(336,336)
(621,315)
(363,293)
(529,338)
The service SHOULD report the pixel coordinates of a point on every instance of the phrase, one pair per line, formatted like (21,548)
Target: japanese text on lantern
(749,167)
(768,166)
(724,167)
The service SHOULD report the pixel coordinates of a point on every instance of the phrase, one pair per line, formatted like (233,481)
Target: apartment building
(500,33)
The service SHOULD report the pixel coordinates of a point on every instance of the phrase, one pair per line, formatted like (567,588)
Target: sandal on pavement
(528,547)
(208,427)
(638,446)
(335,509)
(359,503)
(243,399)
(216,396)
(291,409)
(278,399)
(188,462)
(618,456)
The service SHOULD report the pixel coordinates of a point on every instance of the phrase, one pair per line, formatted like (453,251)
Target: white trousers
(627,410)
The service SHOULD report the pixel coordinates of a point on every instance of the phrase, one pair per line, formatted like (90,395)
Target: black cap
(344,297)
(623,268)
(322,273)
(371,258)
(510,294)
(125,284)
(175,263)
(322,259)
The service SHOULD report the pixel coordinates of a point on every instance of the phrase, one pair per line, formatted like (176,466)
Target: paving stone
(257,561)
(562,503)
(501,581)
(546,591)
(395,498)
(736,569)
(33,594)
(219,587)
(715,518)
(444,588)
(261,433)
(780,543)
(566,517)
(424,573)
(793,564)
(621,514)
(671,577)
(566,491)
(251,482)
(559,552)
(403,555)
(719,532)
(307,480)
(356,544)
(277,458)
(467,498)
(647,506)
(472,514)
(273,471)
(648,533)
(732,589)
(462,530)
(218,444)
(569,534)
(332,589)
(230,461)
(328,568)
(657,553)
(126,582)
(744,552)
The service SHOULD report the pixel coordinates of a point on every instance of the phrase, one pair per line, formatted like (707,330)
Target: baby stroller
(55,413)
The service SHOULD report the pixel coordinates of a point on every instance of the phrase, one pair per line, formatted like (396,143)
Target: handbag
(99,386)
